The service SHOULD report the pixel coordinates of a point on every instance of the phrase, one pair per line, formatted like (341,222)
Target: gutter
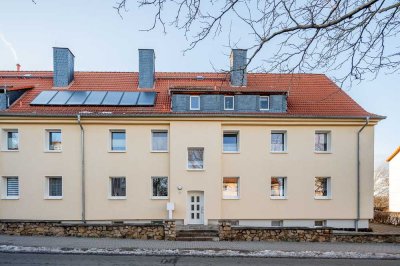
(358,172)
(83,196)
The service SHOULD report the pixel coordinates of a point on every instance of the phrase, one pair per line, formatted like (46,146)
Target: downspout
(83,196)
(358,172)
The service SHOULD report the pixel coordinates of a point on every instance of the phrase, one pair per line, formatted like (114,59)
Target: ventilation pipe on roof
(146,68)
(18,67)
(238,67)
(83,190)
(63,63)
(359,172)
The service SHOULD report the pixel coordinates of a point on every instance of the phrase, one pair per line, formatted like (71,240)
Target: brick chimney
(63,63)
(18,67)
(238,67)
(146,68)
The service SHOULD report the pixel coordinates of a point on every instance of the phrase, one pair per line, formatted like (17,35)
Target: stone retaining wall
(365,238)
(133,231)
(238,233)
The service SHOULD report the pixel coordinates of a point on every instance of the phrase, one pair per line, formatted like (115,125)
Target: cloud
(9,45)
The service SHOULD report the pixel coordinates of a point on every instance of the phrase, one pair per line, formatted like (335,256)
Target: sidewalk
(154,247)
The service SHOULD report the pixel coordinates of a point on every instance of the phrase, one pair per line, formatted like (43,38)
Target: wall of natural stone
(133,231)
(299,234)
(365,237)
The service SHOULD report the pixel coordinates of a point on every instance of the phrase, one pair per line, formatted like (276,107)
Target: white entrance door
(196,208)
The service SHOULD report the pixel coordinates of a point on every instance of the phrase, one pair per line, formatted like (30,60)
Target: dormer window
(194,102)
(264,103)
(229,103)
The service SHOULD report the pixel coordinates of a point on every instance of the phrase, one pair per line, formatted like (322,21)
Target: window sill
(264,110)
(160,198)
(279,152)
(50,151)
(278,198)
(111,151)
(54,198)
(117,198)
(231,152)
(10,198)
(159,151)
(233,198)
(322,152)
(10,150)
(323,198)
(195,170)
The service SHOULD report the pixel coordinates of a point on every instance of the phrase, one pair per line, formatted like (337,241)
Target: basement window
(277,223)
(319,223)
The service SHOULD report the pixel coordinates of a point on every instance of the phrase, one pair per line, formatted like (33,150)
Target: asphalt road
(54,259)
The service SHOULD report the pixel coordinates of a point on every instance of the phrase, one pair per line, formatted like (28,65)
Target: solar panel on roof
(112,98)
(95,98)
(44,97)
(78,98)
(61,98)
(146,98)
(129,98)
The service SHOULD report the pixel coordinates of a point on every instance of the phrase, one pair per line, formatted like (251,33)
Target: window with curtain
(194,102)
(159,140)
(118,187)
(12,186)
(12,140)
(231,141)
(229,102)
(322,187)
(55,186)
(321,141)
(118,140)
(264,102)
(160,186)
(55,140)
(278,187)
(278,141)
(230,188)
(195,158)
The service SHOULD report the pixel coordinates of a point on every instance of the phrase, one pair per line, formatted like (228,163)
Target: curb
(200,253)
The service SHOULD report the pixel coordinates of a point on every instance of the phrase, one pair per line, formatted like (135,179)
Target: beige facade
(254,164)
(394,183)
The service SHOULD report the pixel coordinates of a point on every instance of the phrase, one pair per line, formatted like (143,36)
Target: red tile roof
(308,94)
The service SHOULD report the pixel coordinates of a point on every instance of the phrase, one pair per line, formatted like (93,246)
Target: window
(159,140)
(54,142)
(11,187)
(278,141)
(322,141)
(264,103)
(319,223)
(322,187)
(231,141)
(118,140)
(278,187)
(54,188)
(11,140)
(159,187)
(194,102)
(276,223)
(229,102)
(118,187)
(230,188)
(195,158)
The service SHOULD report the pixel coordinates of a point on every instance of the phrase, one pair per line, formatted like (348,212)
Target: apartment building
(261,149)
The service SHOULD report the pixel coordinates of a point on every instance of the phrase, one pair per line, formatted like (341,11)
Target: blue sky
(102,41)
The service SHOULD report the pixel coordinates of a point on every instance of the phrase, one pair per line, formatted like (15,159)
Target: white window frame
(285,141)
(187,159)
(238,188)
(190,102)
(47,140)
(4,188)
(47,188)
(5,139)
(151,186)
(233,103)
(322,221)
(329,188)
(284,188)
(110,196)
(264,97)
(238,140)
(328,139)
(159,131)
(110,138)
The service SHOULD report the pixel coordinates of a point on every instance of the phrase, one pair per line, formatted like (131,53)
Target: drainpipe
(83,196)
(358,172)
